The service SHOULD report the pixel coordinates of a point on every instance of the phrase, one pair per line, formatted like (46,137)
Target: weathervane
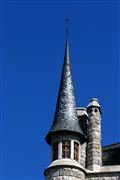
(67,22)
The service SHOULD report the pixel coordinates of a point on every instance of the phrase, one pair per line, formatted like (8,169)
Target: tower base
(64,169)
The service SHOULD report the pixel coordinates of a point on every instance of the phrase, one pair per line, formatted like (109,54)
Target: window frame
(76,147)
(66,149)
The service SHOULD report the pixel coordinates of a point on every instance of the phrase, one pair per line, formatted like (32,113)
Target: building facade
(75,138)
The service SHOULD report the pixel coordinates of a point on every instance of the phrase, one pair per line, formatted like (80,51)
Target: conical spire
(66,118)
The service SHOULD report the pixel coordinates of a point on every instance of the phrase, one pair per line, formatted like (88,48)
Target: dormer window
(65,149)
(55,151)
(76,151)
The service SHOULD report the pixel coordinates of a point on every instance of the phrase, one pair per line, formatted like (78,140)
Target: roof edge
(111,146)
(48,136)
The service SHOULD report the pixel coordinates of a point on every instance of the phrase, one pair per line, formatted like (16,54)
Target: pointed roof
(65,118)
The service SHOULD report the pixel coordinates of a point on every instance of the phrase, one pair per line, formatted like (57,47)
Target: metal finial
(67,22)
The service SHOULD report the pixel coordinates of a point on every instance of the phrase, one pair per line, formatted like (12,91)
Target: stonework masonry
(94,156)
(83,155)
(104,176)
(65,174)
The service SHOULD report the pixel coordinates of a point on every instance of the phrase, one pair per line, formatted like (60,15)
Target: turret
(65,136)
(94,157)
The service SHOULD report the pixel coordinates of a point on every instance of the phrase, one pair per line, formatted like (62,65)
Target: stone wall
(60,173)
(83,155)
(104,176)
(68,173)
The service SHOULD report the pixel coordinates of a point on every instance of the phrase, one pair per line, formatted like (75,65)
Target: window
(96,110)
(65,149)
(55,151)
(76,150)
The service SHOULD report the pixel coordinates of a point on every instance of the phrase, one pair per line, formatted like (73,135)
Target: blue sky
(32,50)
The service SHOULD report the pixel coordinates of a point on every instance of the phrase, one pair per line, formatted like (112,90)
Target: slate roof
(111,154)
(65,118)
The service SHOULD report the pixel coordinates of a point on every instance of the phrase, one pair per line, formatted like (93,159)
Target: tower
(75,137)
(94,151)
(66,136)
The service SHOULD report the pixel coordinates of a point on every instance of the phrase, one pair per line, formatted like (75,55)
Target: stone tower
(66,136)
(75,138)
(94,152)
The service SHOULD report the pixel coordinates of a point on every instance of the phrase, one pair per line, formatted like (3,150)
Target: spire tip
(67,22)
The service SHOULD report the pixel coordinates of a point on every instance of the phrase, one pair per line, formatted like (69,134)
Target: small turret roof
(65,118)
(94,103)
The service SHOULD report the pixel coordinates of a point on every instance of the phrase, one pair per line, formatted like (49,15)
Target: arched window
(76,150)
(55,151)
(65,149)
